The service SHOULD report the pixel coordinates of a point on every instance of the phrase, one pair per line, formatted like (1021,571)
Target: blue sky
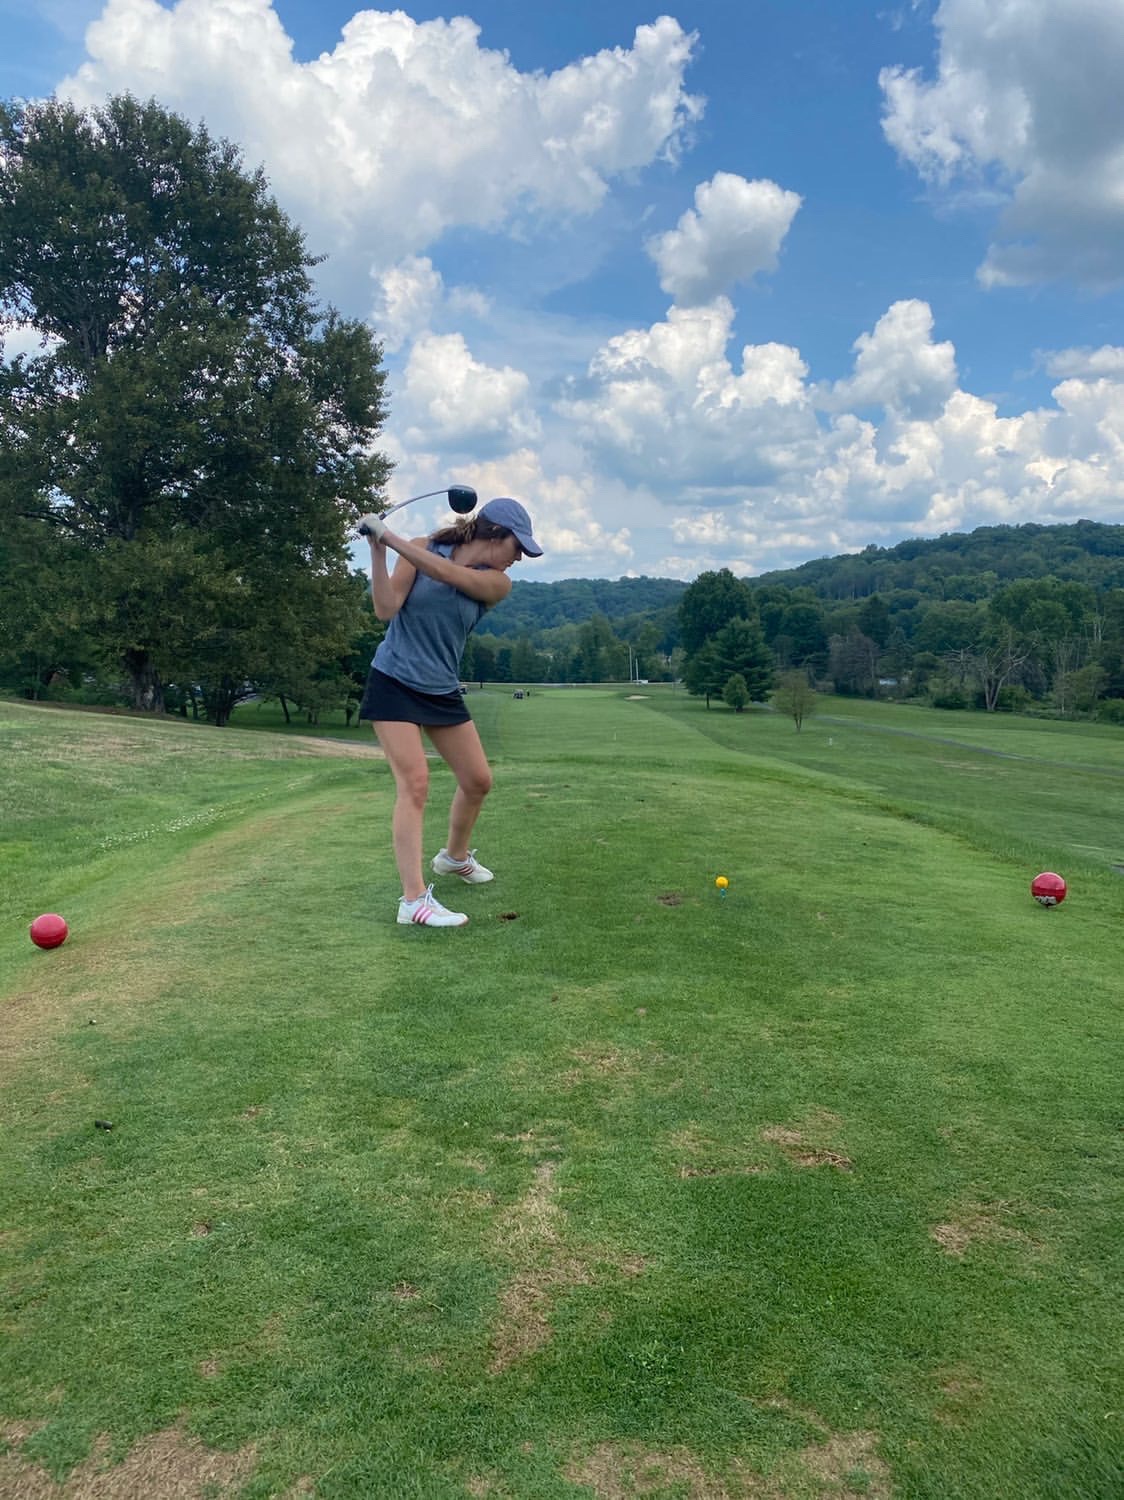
(719,285)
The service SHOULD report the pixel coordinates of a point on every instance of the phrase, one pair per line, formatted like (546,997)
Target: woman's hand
(373,527)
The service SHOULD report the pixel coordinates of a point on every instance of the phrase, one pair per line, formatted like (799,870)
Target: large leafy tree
(193,422)
(41,617)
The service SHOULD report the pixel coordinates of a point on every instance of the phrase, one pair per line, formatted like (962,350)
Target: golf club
(462,499)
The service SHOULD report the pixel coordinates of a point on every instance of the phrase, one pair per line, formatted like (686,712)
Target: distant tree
(1085,687)
(479,661)
(600,656)
(795,696)
(711,602)
(703,673)
(874,619)
(741,651)
(193,423)
(771,601)
(802,628)
(949,627)
(898,654)
(994,664)
(645,640)
(736,693)
(853,664)
(527,664)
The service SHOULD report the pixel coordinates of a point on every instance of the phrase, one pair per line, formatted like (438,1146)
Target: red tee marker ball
(49,930)
(1048,889)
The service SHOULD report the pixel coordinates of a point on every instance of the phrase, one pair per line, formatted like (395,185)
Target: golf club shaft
(410,501)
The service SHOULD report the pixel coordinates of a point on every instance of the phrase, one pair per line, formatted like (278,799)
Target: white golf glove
(372,526)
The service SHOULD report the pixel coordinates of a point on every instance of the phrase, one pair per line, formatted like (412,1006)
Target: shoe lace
(431,900)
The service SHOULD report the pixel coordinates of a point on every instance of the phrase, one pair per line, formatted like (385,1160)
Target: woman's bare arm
(389,590)
(487,585)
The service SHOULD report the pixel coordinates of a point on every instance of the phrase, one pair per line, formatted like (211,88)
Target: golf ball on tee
(721,882)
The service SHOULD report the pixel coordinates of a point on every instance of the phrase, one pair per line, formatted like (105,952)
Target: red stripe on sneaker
(422,914)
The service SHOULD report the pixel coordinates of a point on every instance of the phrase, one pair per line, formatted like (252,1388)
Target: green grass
(809,1190)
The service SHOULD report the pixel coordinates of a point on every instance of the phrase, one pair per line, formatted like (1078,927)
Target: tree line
(1037,644)
(1013,617)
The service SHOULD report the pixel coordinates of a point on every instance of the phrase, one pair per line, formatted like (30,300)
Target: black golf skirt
(387,698)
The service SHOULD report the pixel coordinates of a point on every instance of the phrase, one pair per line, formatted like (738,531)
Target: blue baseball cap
(512,517)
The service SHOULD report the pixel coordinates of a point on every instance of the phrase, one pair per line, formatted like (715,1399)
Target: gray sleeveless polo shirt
(425,640)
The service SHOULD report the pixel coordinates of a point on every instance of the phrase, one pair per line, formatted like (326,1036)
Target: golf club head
(462,498)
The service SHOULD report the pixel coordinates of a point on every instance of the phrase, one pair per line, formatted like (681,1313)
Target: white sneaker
(428,912)
(469,869)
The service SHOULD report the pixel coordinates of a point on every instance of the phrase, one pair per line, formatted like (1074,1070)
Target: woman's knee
(478,783)
(413,784)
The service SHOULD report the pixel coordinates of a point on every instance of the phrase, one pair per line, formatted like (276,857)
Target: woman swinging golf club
(439,590)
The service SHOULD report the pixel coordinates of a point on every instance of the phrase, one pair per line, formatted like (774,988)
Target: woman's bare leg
(402,746)
(459,747)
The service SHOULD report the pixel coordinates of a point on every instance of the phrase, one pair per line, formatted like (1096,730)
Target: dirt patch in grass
(848,1467)
(983,1223)
(170,1465)
(597,1063)
(670,898)
(700,1155)
(689,1170)
(803,1147)
(834,1159)
(529,1233)
(845,1466)
(621,1471)
(961,1393)
(603,1063)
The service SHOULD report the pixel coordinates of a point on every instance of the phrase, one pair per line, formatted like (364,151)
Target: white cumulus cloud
(735,230)
(405,129)
(752,463)
(666,405)
(405,298)
(898,365)
(1027,99)
(1107,361)
(451,400)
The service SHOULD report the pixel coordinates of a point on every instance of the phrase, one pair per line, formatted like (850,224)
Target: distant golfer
(439,590)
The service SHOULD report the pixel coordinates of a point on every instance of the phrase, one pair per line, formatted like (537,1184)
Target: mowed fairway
(627,1189)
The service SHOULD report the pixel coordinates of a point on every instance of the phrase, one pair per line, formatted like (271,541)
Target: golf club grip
(363,530)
